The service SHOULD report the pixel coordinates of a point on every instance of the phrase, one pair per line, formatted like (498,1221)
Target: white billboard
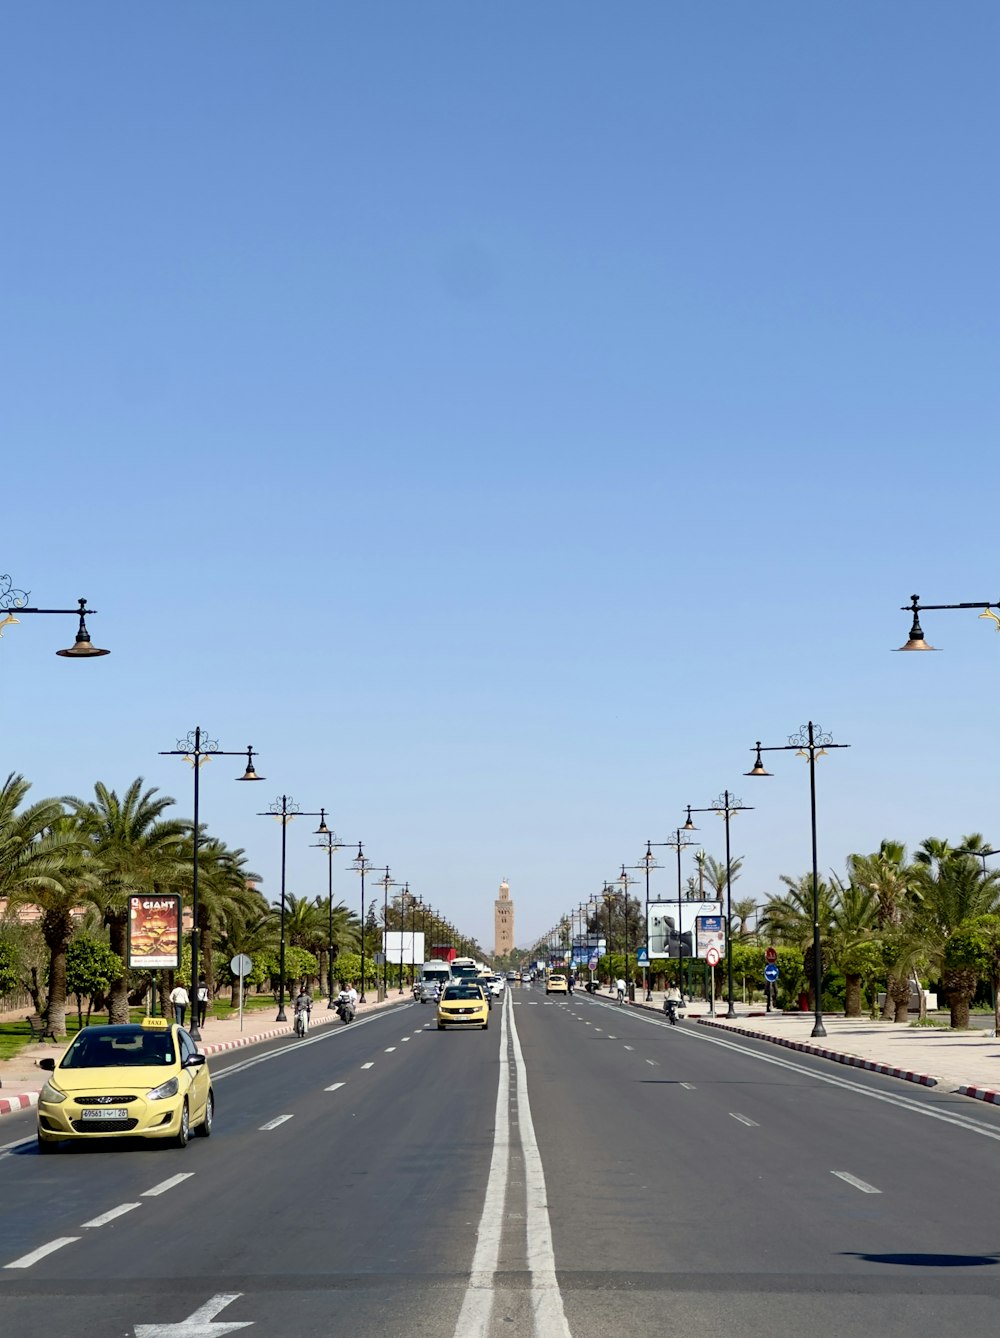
(673,922)
(406,949)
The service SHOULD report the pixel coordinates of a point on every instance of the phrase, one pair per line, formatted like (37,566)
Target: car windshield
(462,992)
(119,1047)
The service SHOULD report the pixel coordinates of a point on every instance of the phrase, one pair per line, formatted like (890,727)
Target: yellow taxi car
(143,1079)
(463,1004)
(557,985)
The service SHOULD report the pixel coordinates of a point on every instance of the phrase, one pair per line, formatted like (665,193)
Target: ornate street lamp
(647,864)
(197,748)
(14,601)
(679,844)
(331,844)
(285,809)
(386,882)
(916,641)
(810,742)
(725,806)
(361,864)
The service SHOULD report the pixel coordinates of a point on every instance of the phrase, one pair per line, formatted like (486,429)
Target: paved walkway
(21,1079)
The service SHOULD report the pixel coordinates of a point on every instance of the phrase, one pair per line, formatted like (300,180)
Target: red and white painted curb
(838,1057)
(980,1094)
(9,1104)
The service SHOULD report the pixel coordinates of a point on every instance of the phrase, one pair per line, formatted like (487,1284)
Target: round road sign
(712,956)
(241,965)
(771,972)
(770,954)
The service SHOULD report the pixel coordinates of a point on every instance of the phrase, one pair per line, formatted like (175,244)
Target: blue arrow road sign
(771,972)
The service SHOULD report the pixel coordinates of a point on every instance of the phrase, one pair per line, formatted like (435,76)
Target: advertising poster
(711,934)
(403,949)
(154,933)
(665,935)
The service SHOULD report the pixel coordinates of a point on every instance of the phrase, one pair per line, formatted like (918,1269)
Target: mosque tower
(503,922)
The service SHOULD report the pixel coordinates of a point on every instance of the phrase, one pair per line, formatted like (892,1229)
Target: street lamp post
(626,883)
(386,882)
(284,808)
(810,742)
(361,865)
(402,934)
(916,641)
(679,844)
(330,845)
(197,748)
(646,863)
(725,806)
(14,601)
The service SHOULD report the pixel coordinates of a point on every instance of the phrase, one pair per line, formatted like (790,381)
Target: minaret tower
(503,922)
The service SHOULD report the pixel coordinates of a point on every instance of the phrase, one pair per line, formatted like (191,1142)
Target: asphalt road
(578,1168)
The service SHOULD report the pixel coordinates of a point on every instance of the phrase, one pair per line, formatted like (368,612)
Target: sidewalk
(21,1079)
(966,1062)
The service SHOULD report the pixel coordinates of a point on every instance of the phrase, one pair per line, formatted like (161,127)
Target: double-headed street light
(810,742)
(197,748)
(386,882)
(331,844)
(678,843)
(361,864)
(285,809)
(14,601)
(725,806)
(647,864)
(916,640)
(626,882)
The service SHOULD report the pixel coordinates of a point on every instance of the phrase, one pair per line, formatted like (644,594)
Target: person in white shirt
(180,999)
(620,987)
(354,996)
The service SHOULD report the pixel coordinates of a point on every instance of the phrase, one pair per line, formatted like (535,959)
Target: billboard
(154,933)
(406,949)
(665,934)
(711,933)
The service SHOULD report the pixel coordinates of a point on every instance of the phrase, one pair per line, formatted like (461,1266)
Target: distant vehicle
(557,985)
(428,991)
(463,1004)
(484,984)
(497,985)
(464,968)
(512,975)
(436,972)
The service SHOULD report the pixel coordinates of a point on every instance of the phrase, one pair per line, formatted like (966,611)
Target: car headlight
(51,1094)
(165,1089)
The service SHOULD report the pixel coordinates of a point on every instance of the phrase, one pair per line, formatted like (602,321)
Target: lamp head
(916,639)
(689,825)
(758,768)
(250,774)
(82,648)
(322,829)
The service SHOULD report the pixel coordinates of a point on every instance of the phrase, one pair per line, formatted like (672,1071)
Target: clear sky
(501,416)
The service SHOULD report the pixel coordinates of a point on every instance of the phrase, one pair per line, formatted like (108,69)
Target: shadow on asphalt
(928,1260)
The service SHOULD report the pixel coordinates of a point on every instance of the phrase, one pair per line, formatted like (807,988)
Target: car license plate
(105,1113)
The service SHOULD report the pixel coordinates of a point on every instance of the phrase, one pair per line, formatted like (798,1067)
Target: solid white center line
(26,1260)
(688,1086)
(389,1049)
(863,1185)
(164,1185)
(273,1124)
(744,1119)
(110,1215)
(369,1065)
(333,1087)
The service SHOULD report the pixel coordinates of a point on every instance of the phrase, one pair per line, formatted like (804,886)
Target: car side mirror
(194,1062)
(48,1063)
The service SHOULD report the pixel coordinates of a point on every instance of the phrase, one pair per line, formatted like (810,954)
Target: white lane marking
(273,1124)
(26,1260)
(596,1028)
(863,1185)
(369,1065)
(743,1119)
(533,1003)
(612,1038)
(333,1087)
(283,1050)
(164,1185)
(404,1038)
(389,1049)
(477,1305)
(651,1061)
(688,1086)
(630,1047)
(200,1322)
(109,1216)
(546,1298)
(8,1148)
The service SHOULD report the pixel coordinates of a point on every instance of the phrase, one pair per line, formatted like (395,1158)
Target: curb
(838,1057)
(10,1104)
(980,1094)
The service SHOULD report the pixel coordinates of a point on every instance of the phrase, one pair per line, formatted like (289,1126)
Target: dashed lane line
(744,1119)
(273,1124)
(863,1185)
(651,1061)
(164,1185)
(369,1065)
(333,1087)
(109,1216)
(26,1260)
(688,1086)
(630,1047)
(389,1049)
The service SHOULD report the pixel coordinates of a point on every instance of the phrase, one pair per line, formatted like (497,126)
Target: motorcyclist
(345,1003)
(672,1001)
(303,1005)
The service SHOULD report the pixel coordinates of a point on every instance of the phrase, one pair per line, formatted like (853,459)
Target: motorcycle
(670,1008)
(345,1009)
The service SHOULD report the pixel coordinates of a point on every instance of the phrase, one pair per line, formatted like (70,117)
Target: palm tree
(789,919)
(742,911)
(715,874)
(40,866)
(894,883)
(853,948)
(223,879)
(132,849)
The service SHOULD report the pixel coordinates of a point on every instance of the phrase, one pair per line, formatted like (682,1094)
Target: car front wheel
(184,1132)
(204,1129)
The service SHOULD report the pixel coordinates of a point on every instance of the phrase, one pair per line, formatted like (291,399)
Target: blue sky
(501,416)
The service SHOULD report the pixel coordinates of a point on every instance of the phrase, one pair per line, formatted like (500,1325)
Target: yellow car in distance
(142,1079)
(463,1004)
(557,985)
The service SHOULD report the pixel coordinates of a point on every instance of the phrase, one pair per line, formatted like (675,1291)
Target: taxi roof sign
(155,1023)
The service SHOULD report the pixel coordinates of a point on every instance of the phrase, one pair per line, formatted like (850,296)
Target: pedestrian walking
(202,1001)
(180,1000)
